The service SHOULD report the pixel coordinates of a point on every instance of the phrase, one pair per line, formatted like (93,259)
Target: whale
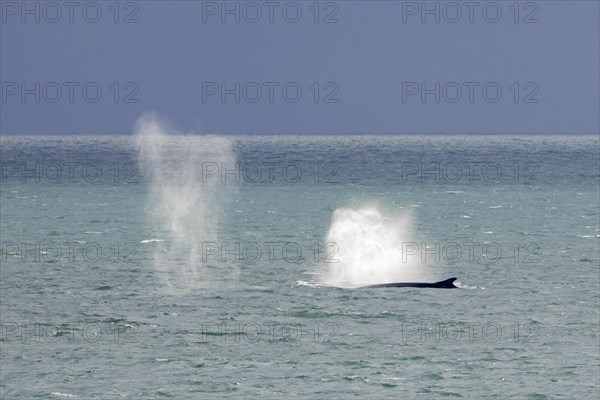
(447,284)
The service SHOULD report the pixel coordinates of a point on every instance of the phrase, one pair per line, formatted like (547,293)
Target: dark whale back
(447,284)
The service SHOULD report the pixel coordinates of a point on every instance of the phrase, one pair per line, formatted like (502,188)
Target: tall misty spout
(184,200)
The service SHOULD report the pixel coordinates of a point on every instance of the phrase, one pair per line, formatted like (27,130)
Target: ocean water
(156,265)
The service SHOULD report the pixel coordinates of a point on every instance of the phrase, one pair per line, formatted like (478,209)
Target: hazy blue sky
(361,66)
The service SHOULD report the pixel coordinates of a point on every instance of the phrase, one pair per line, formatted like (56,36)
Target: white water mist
(184,208)
(370,249)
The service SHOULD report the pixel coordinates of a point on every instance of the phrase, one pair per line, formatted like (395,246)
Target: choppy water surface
(152,266)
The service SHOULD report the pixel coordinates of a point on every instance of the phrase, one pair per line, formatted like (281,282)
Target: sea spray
(370,247)
(184,203)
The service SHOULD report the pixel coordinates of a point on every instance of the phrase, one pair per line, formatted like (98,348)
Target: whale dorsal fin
(448,283)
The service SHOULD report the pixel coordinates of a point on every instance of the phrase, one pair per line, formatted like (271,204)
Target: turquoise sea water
(155,266)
